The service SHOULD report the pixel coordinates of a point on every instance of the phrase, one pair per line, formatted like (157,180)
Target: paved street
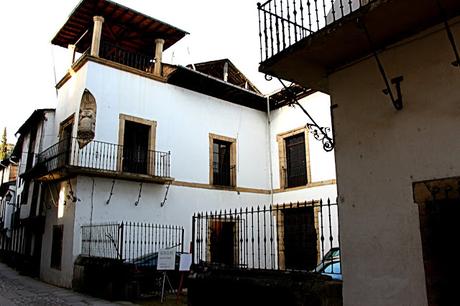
(16,289)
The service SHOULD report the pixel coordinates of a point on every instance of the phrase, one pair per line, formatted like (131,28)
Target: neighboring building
(396,151)
(26,226)
(134,139)
(8,174)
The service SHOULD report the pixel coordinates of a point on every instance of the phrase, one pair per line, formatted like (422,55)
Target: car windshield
(332,268)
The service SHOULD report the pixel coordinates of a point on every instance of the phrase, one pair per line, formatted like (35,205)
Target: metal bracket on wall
(455,63)
(320,133)
(166,194)
(397,101)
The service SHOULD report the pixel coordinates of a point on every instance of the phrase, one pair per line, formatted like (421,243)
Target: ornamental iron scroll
(318,132)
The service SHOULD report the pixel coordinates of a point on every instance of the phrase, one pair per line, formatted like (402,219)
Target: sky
(30,65)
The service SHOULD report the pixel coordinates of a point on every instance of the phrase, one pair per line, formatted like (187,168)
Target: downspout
(270,169)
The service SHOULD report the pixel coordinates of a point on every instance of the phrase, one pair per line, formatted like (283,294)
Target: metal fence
(294,236)
(282,23)
(99,155)
(130,241)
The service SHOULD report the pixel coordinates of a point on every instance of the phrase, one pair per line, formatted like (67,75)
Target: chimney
(226,71)
(158,56)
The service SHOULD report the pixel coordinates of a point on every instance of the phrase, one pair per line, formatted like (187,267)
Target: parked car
(330,265)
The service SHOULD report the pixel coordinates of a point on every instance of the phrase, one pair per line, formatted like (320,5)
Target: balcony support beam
(97,34)
(450,36)
(397,102)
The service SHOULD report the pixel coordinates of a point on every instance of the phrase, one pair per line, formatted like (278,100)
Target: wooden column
(97,33)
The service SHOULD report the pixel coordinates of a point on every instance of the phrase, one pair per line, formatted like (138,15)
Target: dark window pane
(221,163)
(135,147)
(56,247)
(296,161)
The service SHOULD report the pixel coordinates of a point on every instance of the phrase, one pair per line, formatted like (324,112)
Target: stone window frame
(233,161)
(281,140)
(121,138)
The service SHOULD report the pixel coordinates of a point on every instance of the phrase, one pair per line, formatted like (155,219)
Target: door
(440,231)
(135,148)
(222,248)
(300,239)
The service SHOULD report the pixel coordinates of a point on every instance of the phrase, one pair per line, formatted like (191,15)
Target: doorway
(135,147)
(300,238)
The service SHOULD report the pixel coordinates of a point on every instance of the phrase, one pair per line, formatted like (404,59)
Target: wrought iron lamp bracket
(318,132)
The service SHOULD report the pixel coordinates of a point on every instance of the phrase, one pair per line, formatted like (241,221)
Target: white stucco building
(134,139)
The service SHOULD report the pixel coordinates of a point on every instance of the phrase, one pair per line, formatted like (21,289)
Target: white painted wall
(185,119)
(380,152)
(182,202)
(59,211)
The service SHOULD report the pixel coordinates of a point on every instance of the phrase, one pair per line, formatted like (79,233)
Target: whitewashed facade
(184,119)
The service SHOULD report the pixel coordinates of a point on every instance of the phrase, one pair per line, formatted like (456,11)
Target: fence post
(120,241)
(192,243)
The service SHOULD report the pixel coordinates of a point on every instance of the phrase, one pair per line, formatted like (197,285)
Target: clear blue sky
(218,29)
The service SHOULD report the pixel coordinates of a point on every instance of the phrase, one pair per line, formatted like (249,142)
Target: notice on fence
(166,259)
(185,262)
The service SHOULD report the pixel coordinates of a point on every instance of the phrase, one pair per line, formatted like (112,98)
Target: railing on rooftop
(283,23)
(104,157)
(135,60)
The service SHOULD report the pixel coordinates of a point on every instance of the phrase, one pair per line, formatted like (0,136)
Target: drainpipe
(270,169)
(97,33)
(158,56)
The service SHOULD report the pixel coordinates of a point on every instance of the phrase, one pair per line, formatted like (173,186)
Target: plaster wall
(178,210)
(380,152)
(59,210)
(184,120)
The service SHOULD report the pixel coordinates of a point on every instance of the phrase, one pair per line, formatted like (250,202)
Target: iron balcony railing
(283,23)
(295,236)
(106,157)
(132,242)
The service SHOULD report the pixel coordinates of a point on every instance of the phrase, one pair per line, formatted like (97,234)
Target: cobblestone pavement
(17,289)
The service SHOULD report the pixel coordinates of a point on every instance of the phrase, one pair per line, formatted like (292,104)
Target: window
(222,162)
(56,247)
(65,141)
(137,138)
(294,158)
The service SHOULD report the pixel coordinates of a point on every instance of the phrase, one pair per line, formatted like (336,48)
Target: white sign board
(166,259)
(185,262)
